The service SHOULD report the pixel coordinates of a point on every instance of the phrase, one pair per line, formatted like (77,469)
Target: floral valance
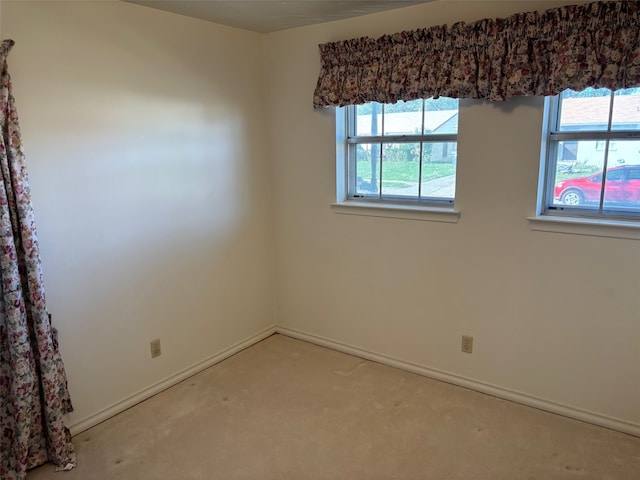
(535,53)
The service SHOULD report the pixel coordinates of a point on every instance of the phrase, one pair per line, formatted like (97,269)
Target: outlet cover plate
(467,344)
(156,351)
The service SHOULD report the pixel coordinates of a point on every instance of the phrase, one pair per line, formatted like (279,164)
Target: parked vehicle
(622,186)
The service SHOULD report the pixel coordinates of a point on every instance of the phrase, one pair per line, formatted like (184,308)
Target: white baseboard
(494,390)
(128,402)
(497,391)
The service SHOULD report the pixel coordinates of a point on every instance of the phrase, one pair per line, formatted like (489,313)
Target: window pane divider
(599,135)
(420,156)
(404,138)
(381,156)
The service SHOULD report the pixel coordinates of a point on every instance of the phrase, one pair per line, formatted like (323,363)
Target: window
(591,154)
(402,153)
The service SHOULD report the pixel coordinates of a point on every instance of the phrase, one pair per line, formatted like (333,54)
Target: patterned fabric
(33,386)
(590,45)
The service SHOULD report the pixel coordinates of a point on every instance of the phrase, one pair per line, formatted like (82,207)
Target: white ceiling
(267,16)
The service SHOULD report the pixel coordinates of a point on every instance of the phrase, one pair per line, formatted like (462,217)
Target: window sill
(406,212)
(586,226)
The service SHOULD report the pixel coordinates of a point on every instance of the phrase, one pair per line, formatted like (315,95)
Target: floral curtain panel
(33,386)
(579,46)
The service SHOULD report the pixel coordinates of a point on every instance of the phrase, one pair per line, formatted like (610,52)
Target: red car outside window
(622,186)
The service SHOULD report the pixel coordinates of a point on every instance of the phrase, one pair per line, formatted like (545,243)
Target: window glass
(584,111)
(626,110)
(400,169)
(367,170)
(368,119)
(622,186)
(634,174)
(578,182)
(441,116)
(403,118)
(439,170)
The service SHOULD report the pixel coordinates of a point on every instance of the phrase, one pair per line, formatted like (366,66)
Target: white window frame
(551,136)
(379,205)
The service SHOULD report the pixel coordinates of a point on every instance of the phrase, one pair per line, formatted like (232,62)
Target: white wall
(554,316)
(143,133)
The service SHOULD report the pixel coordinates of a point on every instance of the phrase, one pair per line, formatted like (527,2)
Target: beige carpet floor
(286,409)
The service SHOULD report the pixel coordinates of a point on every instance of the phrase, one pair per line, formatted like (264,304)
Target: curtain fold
(33,386)
(533,53)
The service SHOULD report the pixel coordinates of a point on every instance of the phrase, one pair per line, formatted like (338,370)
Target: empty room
(320,240)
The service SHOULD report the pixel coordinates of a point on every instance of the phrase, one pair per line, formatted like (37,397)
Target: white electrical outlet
(156,351)
(467,344)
